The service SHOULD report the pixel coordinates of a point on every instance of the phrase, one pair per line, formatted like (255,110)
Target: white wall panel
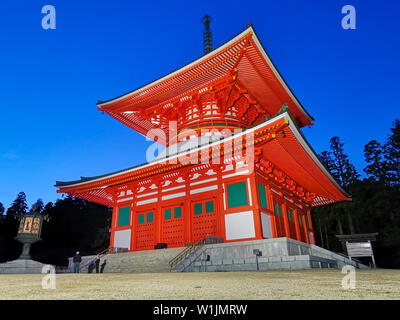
(239,225)
(266,226)
(122,239)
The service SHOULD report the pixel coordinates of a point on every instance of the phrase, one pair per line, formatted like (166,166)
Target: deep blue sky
(50,80)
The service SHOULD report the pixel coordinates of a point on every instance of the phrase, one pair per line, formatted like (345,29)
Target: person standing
(103,265)
(97,263)
(77,261)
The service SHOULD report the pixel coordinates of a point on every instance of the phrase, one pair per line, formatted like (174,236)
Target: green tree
(392,149)
(341,167)
(345,173)
(2,217)
(375,205)
(377,167)
(1,212)
(39,204)
(10,248)
(18,207)
(74,225)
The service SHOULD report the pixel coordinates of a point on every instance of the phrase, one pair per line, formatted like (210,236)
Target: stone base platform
(22,266)
(277,254)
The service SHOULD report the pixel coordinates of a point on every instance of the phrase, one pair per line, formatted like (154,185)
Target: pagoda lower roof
(244,53)
(282,145)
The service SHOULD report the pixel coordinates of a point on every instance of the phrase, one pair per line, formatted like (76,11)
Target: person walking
(77,261)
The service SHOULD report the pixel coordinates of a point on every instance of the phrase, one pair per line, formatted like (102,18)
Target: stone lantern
(30,228)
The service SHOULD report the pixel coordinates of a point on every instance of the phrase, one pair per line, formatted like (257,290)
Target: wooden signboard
(360,249)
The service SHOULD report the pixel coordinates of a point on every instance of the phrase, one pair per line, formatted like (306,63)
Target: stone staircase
(148,261)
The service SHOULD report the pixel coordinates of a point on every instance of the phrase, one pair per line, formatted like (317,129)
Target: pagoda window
(205,206)
(307,222)
(278,209)
(300,219)
(141,218)
(290,215)
(198,208)
(124,216)
(167,214)
(177,212)
(237,194)
(209,206)
(263,196)
(149,217)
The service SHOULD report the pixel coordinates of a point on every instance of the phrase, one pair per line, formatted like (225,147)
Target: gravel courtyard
(304,284)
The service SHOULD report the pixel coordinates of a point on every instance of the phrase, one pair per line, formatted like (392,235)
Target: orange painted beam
(285,219)
(296,224)
(256,206)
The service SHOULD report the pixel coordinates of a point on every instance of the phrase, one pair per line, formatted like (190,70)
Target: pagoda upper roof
(244,53)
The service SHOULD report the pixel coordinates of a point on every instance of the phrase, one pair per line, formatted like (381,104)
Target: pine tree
(377,167)
(344,172)
(327,160)
(18,207)
(341,168)
(1,213)
(39,205)
(392,153)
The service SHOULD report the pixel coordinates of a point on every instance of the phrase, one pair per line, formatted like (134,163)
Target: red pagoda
(236,165)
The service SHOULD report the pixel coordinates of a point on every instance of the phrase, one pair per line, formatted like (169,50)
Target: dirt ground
(304,284)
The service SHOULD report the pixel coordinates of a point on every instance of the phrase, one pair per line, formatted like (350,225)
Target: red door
(144,231)
(172,232)
(204,218)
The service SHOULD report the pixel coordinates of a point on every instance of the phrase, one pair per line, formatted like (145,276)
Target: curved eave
(101,104)
(306,145)
(107,106)
(295,157)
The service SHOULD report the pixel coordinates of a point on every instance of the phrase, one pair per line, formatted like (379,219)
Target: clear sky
(50,80)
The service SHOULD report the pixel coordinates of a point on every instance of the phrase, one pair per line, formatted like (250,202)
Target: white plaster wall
(122,239)
(239,225)
(266,225)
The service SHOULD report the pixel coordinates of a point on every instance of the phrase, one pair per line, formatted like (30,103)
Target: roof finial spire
(207,36)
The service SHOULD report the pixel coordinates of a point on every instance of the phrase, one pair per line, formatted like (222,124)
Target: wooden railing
(110,250)
(191,247)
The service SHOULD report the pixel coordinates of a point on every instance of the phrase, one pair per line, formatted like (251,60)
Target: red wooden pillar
(133,217)
(114,219)
(220,208)
(310,226)
(296,224)
(305,228)
(270,204)
(285,219)
(158,213)
(113,225)
(187,212)
(256,206)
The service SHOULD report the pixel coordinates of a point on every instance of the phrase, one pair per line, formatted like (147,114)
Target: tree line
(73,224)
(375,205)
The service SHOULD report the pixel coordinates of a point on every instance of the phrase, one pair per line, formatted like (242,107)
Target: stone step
(136,262)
